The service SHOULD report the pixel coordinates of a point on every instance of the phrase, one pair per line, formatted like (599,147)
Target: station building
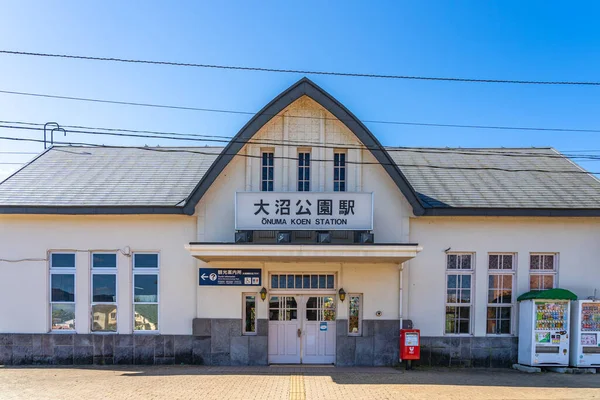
(304,240)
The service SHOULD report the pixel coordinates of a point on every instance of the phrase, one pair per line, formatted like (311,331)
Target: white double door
(302,329)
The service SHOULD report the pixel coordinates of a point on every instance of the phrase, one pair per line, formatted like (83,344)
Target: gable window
(355,315)
(501,277)
(62,291)
(303,171)
(542,271)
(249,314)
(145,291)
(104,292)
(339,171)
(459,285)
(267,171)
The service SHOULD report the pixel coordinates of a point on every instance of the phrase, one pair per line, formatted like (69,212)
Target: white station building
(304,240)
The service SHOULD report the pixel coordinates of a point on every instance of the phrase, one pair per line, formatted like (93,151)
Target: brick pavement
(190,382)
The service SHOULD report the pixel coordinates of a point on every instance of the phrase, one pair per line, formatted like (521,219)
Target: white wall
(24,286)
(577,240)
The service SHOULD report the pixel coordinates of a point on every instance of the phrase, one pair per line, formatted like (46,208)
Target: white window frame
(471,305)
(512,273)
(360,313)
(541,272)
(256,297)
(145,271)
(62,271)
(305,168)
(104,271)
(340,167)
(265,179)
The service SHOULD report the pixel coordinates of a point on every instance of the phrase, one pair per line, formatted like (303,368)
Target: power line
(479,152)
(225,111)
(171,150)
(590,157)
(299,71)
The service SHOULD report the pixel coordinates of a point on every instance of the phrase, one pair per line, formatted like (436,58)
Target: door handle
(299,333)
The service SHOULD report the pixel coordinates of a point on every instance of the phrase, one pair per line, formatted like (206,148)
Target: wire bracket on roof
(55,127)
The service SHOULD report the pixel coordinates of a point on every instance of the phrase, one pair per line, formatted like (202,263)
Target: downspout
(401,270)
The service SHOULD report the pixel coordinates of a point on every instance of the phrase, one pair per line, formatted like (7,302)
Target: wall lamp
(263,294)
(342,293)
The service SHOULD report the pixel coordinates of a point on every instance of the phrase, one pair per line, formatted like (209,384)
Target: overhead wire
(298,71)
(267,142)
(215,154)
(369,121)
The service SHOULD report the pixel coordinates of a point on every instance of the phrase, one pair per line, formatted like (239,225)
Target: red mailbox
(410,345)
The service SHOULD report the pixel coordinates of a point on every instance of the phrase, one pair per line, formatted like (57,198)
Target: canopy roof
(549,294)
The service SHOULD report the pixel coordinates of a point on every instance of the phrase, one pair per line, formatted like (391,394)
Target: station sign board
(230,277)
(296,211)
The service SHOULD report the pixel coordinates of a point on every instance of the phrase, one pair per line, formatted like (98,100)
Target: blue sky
(534,40)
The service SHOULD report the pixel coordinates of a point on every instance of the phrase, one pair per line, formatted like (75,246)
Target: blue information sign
(323,326)
(230,277)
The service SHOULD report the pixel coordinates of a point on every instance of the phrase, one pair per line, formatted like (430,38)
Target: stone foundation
(378,345)
(469,351)
(220,342)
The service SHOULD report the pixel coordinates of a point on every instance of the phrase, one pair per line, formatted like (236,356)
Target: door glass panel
(290,302)
(311,315)
(312,302)
(328,309)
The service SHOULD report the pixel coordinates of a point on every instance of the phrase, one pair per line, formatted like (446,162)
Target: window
(355,314)
(62,291)
(339,172)
(304,172)
(104,292)
(267,171)
(302,281)
(542,271)
(145,292)
(459,283)
(501,275)
(249,314)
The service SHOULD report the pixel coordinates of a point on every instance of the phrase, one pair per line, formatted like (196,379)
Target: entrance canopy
(372,253)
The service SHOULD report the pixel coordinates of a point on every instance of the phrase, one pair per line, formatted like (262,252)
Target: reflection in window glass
(146,317)
(249,314)
(62,260)
(145,288)
(274,282)
(104,288)
(282,282)
(63,287)
(143,260)
(63,316)
(104,260)
(290,281)
(104,318)
(354,316)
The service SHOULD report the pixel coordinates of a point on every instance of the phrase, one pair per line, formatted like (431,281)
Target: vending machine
(544,327)
(585,333)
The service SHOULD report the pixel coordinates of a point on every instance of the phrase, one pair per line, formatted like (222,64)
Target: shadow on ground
(364,376)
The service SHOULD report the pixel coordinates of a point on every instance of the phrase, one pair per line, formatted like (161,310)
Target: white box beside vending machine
(544,332)
(585,333)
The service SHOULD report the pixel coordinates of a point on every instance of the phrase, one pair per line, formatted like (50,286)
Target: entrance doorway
(302,329)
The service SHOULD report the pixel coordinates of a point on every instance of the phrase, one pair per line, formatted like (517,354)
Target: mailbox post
(410,346)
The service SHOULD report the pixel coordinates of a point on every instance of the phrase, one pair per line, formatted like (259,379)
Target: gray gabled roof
(498,181)
(84,180)
(105,180)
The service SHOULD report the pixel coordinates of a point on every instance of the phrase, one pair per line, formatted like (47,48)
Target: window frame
(145,271)
(62,271)
(256,297)
(471,305)
(265,180)
(541,272)
(339,168)
(302,274)
(513,274)
(306,167)
(104,271)
(360,313)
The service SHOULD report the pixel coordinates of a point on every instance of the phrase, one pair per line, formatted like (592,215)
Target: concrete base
(448,351)
(526,368)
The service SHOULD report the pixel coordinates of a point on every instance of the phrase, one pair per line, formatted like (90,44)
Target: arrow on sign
(203,276)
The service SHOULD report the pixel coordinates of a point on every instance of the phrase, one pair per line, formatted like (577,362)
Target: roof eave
(512,212)
(92,210)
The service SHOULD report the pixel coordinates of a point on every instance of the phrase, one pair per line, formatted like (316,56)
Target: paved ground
(187,382)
